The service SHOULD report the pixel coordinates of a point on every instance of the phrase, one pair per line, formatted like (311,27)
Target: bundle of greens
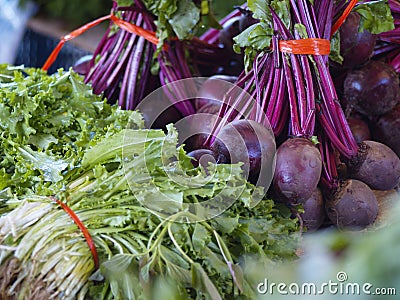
(46,124)
(133,193)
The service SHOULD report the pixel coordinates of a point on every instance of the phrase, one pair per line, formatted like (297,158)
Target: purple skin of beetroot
(353,206)
(202,157)
(201,125)
(314,211)
(376,165)
(387,129)
(356,47)
(360,129)
(252,144)
(372,89)
(213,90)
(298,170)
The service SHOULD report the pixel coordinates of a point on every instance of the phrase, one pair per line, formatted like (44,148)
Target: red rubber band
(312,46)
(132,28)
(343,17)
(83,229)
(77,32)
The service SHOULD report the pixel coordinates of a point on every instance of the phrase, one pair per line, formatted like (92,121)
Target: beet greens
(294,91)
(123,65)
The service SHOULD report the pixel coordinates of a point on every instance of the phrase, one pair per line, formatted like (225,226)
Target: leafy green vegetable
(46,123)
(123,192)
(376,16)
(178,18)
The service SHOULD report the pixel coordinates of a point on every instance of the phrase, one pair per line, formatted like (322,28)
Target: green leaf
(131,142)
(225,224)
(118,221)
(121,272)
(259,9)
(282,8)
(376,16)
(43,141)
(159,201)
(335,55)
(301,30)
(185,19)
(201,236)
(257,36)
(50,167)
(202,282)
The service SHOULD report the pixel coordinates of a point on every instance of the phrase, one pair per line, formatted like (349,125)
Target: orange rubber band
(312,46)
(82,228)
(343,17)
(77,32)
(132,28)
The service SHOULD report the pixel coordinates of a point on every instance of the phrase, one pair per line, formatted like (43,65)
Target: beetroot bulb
(372,89)
(213,90)
(353,205)
(356,46)
(359,129)
(250,143)
(196,128)
(314,211)
(387,129)
(376,165)
(298,170)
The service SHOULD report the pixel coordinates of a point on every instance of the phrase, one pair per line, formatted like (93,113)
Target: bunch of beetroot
(126,66)
(326,161)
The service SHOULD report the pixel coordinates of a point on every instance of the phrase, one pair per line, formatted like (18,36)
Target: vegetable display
(131,242)
(136,180)
(127,193)
(289,77)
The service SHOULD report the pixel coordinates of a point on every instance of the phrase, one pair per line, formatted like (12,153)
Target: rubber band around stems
(82,228)
(343,17)
(132,28)
(313,46)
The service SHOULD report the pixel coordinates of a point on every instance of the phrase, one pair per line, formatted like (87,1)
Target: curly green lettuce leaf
(46,123)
